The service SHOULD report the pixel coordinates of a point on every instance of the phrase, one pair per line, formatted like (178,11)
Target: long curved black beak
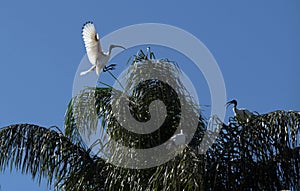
(118,46)
(228,104)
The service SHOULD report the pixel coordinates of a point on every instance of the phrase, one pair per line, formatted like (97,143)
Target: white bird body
(241,114)
(179,139)
(96,56)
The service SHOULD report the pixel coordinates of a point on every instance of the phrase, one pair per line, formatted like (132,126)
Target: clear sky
(256,44)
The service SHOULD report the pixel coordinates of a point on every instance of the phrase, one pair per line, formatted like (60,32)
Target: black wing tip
(88,22)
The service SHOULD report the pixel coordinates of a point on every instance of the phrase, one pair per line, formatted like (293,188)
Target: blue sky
(256,44)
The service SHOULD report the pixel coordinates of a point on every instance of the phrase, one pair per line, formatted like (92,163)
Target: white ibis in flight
(95,54)
(241,114)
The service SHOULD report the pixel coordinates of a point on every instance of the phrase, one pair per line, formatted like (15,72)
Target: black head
(234,102)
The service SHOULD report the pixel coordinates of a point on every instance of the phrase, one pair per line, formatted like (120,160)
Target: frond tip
(42,152)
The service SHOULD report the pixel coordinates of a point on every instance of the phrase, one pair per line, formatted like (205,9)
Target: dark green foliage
(44,152)
(262,154)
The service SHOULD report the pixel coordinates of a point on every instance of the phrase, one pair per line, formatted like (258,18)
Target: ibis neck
(234,109)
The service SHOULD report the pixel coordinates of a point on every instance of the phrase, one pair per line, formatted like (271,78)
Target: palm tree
(260,154)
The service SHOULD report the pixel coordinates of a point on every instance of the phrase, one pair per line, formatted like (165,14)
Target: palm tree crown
(260,154)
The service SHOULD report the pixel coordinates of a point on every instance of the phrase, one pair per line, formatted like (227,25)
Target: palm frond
(43,152)
(262,154)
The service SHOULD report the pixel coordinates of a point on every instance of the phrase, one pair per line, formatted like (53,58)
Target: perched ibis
(179,139)
(241,114)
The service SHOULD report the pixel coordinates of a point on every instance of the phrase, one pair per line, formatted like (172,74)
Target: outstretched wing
(91,41)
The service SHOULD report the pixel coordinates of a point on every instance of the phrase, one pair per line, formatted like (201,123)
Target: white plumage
(179,139)
(96,56)
(241,114)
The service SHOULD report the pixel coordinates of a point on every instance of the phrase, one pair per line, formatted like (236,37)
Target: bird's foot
(110,67)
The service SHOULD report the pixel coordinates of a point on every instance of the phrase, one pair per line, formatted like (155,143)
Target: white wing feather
(178,139)
(91,42)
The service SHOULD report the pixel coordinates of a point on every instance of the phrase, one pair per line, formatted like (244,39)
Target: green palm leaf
(261,154)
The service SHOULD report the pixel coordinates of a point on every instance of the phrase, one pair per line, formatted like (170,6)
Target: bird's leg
(89,70)
(110,67)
